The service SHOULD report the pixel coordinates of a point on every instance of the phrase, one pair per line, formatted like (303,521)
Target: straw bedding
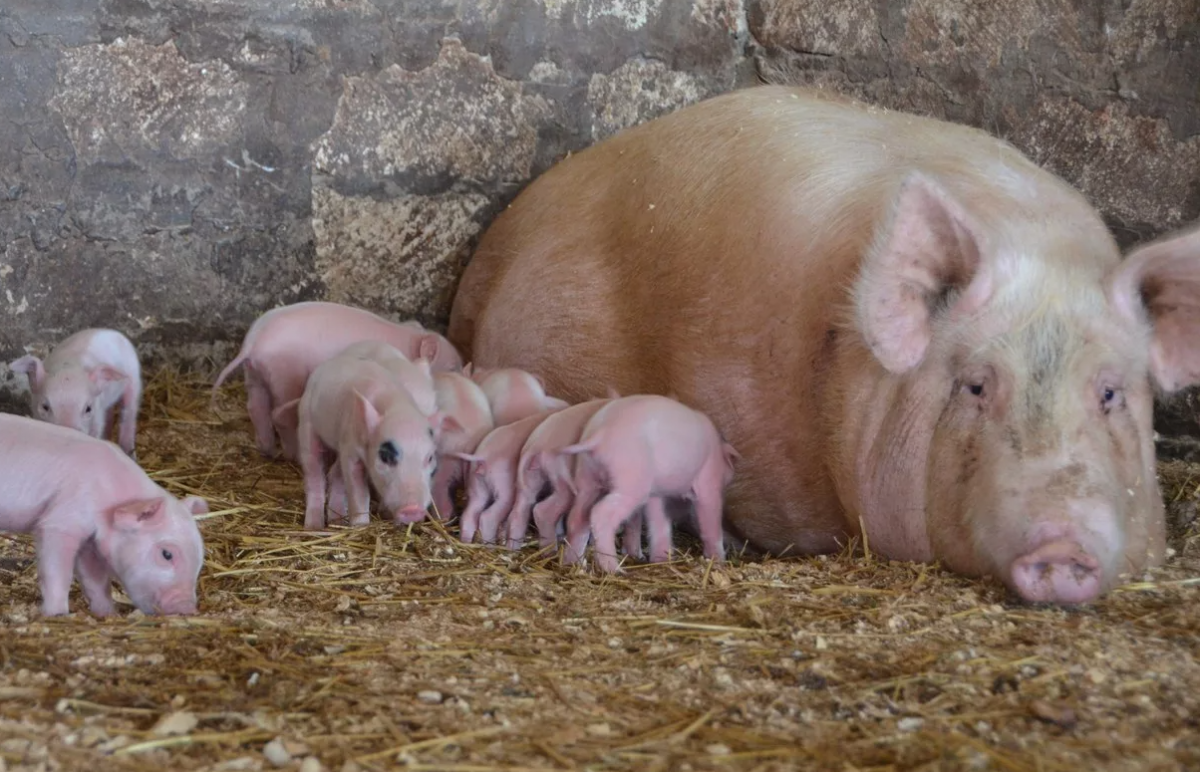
(386,648)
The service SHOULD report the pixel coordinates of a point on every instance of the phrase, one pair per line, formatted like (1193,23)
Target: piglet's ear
(104,374)
(196,505)
(32,367)
(466,371)
(927,247)
(136,515)
(368,416)
(1160,282)
(447,424)
(428,347)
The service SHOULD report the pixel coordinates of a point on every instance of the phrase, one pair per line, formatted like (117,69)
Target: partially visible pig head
(1020,429)
(401,457)
(155,550)
(73,397)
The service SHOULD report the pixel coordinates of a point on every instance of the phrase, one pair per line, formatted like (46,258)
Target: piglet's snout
(182,603)
(1058,571)
(410,513)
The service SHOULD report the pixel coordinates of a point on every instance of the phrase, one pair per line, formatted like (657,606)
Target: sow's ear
(1160,283)
(926,247)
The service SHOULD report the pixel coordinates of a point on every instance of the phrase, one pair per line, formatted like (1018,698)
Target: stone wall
(173,168)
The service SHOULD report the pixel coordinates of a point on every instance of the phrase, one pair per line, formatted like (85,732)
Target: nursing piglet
(491,486)
(540,468)
(83,381)
(460,398)
(637,451)
(285,345)
(513,393)
(92,510)
(354,407)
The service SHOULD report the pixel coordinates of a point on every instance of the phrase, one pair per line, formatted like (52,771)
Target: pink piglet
(637,451)
(82,382)
(95,513)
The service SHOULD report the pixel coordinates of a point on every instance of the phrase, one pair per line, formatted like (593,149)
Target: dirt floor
(384,648)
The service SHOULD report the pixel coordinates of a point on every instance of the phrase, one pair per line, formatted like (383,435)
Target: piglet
(512,393)
(637,451)
(462,399)
(491,486)
(355,407)
(92,510)
(286,344)
(541,468)
(82,382)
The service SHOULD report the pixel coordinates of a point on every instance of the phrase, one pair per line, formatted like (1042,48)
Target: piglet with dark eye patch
(83,381)
(94,512)
(356,408)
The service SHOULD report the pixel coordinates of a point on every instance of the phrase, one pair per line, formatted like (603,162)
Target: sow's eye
(46,407)
(87,410)
(977,383)
(167,555)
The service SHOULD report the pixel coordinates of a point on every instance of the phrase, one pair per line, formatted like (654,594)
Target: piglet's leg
(607,516)
(479,495)
(56,551)
(578,530)
(258,404)
(549,511)
(518,519)
(130,397)
(312,461)
(358,496)
(632,536)
(95,579)
(494,515)
(337,495)
(709,501)
(449,472)
(659,526)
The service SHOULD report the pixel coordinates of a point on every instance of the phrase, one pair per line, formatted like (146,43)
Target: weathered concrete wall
(172,168)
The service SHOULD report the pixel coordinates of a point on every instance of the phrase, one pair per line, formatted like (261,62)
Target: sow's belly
(780,500)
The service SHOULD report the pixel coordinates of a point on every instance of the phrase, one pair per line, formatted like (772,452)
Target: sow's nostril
(1057,572)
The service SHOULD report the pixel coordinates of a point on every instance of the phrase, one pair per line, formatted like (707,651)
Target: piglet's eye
(167,555)
(1110,397)
(976,389)
(87,410)
(46,406)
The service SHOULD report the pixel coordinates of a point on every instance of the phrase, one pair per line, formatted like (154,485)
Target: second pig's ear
(135,515)
(104,375)
(32,367)
(196,505)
